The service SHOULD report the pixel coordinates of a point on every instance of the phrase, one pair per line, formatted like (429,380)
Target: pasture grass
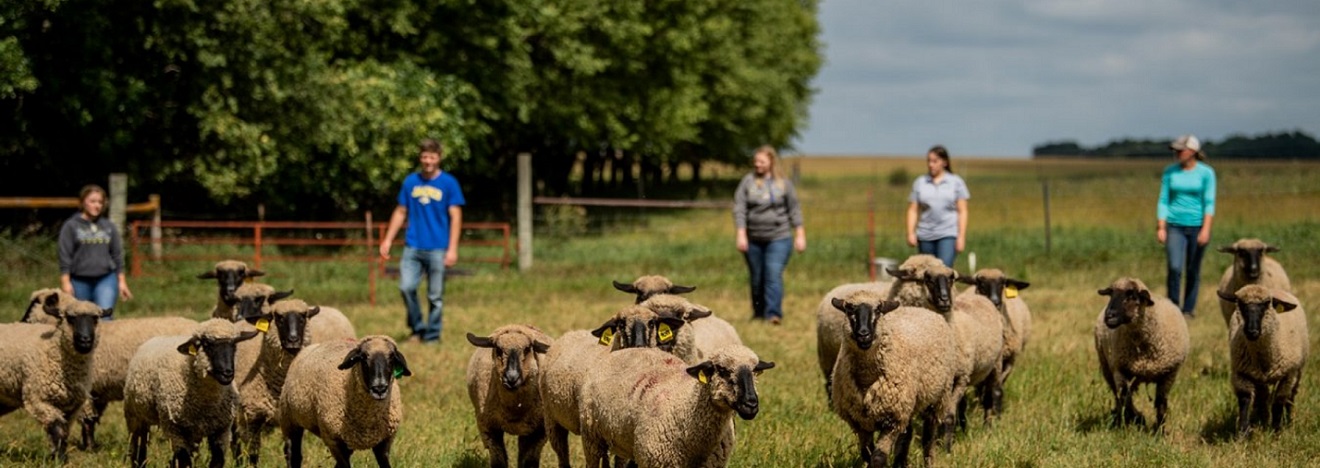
(1102,223)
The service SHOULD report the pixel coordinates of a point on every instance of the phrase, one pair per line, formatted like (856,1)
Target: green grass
(1102,219)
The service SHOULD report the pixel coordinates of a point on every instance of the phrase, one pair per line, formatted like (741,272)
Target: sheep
(503,378)
(978,327)
(639,326)
(262,366)
(709,332)
(564,369)
(1250,266)
(347,393)
(1139,339)
(47,369)
(253,299)
(1003,293)
(832,327)
(184,384)
(900,362)
(646,286)
(118,341)
(649,406)
(249,299)
(229,275)
(34,313)
(1268,343)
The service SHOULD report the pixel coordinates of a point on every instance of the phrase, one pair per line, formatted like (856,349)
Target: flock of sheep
(655,385)
(262,360)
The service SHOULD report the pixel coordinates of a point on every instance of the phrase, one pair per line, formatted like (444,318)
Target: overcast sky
(996,77)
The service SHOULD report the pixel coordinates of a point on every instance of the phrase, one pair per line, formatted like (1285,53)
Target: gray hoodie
(90,248)
(768,210)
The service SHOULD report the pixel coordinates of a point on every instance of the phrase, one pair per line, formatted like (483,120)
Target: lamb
(648,406)
(1003,293)
(1139,339)
(832,327)
(646,286)
(1250,266)
(900,362)
(184,384)
(503,378)
(1268,343)
(34,313)
(47,369)
(709,332)
(345,392)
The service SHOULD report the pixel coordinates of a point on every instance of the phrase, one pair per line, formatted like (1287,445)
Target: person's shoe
(774,320)
(415,339)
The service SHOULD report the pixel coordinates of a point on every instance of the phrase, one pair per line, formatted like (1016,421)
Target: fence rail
(256,235)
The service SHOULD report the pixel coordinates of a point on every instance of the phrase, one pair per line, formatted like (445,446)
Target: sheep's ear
(1271,249)
(1281,305)
(763,365)
(189,347)
(702,371)
(278,296)
(1145,298)
(697,313)
(676,289)
(1106,292)
(899,273)
(1228,249)
(625,287)
(1020,285)
(51,306)
(246,335)
(207,275)
(601,329)
(254,273)
(673,322)
(400,364)
(1230,297)
(480,341)
(107,312)
(313,311)
(540,347)
(27,313)
(966,280)
(839,303)
(354,356)
(886,306)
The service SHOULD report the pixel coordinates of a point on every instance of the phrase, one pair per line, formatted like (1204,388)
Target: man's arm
(396,221)
(455,231)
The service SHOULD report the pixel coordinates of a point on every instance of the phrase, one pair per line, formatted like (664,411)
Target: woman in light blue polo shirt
(937,209)
(1186,210)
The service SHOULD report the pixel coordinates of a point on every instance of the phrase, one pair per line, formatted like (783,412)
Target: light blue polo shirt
(938,205)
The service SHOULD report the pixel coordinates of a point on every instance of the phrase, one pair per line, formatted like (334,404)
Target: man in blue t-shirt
(432,203)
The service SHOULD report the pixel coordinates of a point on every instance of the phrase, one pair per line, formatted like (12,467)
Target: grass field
(1101,227)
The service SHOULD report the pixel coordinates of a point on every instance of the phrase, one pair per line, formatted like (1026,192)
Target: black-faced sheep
(503,379)
(832,327)
(1003,293)
(900,363)
(184,384)
(34,314)
(1139,339)
(638,326)
(564,369)
(646,286)
(262,366)
(229,275)
(649,406)
(709,333)
(346,393)
(1268,342)
(1250,266)
(47,370)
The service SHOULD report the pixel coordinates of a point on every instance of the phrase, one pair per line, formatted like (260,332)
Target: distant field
(1101,227)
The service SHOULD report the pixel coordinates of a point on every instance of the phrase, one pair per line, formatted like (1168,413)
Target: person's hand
(740,241)
(451,257)
(800,243)
(912,239)
(124,292)
(67,287)
(959,245)
(385,250)
(1203,238)
(1161,235)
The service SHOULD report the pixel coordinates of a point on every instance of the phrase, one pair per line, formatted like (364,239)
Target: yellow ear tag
(1278,308)
(192,349)
(701,377)
(1010,292)
(262,325)
(607,338)
(665,333)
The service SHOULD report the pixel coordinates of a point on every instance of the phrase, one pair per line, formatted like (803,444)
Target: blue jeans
(102,290)
(765,263)
(411,266)
(1184,261)
(944,248)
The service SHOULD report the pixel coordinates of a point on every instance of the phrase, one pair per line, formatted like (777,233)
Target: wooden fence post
(1045,190)
(524,211)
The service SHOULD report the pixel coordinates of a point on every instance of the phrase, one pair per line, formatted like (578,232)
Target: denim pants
(765,263)
(411,266)
(102,290)
(1184,261)
(944,248)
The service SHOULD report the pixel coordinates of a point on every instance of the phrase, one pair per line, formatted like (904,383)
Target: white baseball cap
(1188,142)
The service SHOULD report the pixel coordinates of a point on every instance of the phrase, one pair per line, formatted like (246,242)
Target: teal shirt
(1187,197)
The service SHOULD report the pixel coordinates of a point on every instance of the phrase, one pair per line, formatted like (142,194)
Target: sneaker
(414,339)
(774,320)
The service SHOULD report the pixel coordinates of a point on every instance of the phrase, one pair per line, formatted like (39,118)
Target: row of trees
(1284,145)
(316,108)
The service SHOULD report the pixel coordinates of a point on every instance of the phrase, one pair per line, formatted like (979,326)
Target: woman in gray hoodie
(91,254)
(768,220)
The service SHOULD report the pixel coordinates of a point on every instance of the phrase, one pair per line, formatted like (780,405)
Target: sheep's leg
(216,444)
(58,432)
(252,440)
(1162,399)
(91,416)
(558,436)
(137,446)
(1283,400)
(962,412)
(293,447)
(182,456)
(340,451)
(597,453)
(382,452)
(235,443)
(885,444)
(1244,397)
(493,439)
(1260,412)
(929,426)
(901,446)
(865,443)
(529,448)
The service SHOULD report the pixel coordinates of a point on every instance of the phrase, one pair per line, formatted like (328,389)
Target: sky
(994,78)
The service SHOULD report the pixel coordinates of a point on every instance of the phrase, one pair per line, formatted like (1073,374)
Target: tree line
(315,109)
(1283,145)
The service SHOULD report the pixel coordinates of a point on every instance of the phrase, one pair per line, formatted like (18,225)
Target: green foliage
(1283,145)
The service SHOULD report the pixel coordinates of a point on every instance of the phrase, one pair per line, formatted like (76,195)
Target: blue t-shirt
(428,202)
(938,205)
(1186,197)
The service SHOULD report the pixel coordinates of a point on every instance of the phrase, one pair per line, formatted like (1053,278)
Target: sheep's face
(641,327)
(213,355)
(253,304)
(732,381)
(379,362)
(290,319)
(1125,304)
(514,356)
(993,287)
(77,318)
(937,282)
(230,277)
(1255,308)
(864,318)
(647,287)
(1247,257)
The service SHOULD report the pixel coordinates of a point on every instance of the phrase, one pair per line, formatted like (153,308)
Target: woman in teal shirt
(1186,211)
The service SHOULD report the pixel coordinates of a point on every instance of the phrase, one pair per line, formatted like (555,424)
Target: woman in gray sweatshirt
(91,254)
(768,220)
